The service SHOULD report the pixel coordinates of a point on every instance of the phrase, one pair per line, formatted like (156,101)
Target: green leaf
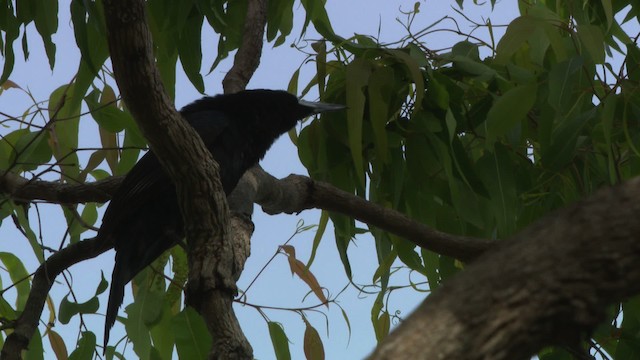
(32,149)
(162,334)
(358,73)
(69,309)
(104,110)
(102,285)
(496,171)
(431,262)
(436,93)
(320,48)
(632,62)
(564,84)
(565,140)
(593,40)
(35,350)
(64,111)
(190,49)
(192,336)
(385,266)
(22,215)
(407,254)
(322,226)
(6,310)
(86,347)
(380,92)
(415,73)
(466,49)
(279,340)
(137,330)
(46,21)
(11,27)
(382,326)
(509,110)
(518,32)
(19,277)
(279,19)
(317,14)
(313,348)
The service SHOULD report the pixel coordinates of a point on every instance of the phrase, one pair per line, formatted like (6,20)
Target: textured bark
(248,55)
(297,193)
(185,158)
(548,285)
(21,189)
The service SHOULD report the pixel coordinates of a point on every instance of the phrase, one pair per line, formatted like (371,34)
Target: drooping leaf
(313,348)
(299,268)
(279,340)
(58,345)
(358,73)
(19,276)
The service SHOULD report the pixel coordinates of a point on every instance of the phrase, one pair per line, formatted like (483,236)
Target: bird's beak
(318,107)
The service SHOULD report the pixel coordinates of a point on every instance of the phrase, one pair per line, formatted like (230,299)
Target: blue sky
(276,287)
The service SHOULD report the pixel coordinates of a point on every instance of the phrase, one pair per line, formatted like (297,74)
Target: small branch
(43,279)
(247,58)
(21,189)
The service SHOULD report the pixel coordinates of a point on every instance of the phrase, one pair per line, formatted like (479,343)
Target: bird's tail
(119,280)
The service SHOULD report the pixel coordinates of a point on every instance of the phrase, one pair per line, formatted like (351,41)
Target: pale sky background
(276,287)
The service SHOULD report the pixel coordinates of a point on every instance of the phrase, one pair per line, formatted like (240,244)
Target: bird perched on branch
(143,219)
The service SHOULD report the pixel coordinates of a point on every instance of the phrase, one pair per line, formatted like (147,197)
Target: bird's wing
(208,124)
(147,179)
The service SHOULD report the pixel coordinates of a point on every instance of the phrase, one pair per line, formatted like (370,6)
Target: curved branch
(43,279)
(296,193)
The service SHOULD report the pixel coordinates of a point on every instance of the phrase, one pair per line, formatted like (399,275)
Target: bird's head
(287,108)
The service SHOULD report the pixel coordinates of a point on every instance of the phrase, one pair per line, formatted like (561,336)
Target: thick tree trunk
(548,285)
(212,263)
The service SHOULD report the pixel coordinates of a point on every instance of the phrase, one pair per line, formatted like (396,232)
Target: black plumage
(143,219)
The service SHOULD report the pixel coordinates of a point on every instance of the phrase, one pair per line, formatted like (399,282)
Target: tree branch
(43,279)
(248,55)
(296,193)
(548,285)
(21,189)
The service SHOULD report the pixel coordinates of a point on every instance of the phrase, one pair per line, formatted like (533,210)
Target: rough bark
(185,158)
(297,193)
(548,285)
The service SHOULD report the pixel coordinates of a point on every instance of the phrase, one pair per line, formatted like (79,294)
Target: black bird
(143,219)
